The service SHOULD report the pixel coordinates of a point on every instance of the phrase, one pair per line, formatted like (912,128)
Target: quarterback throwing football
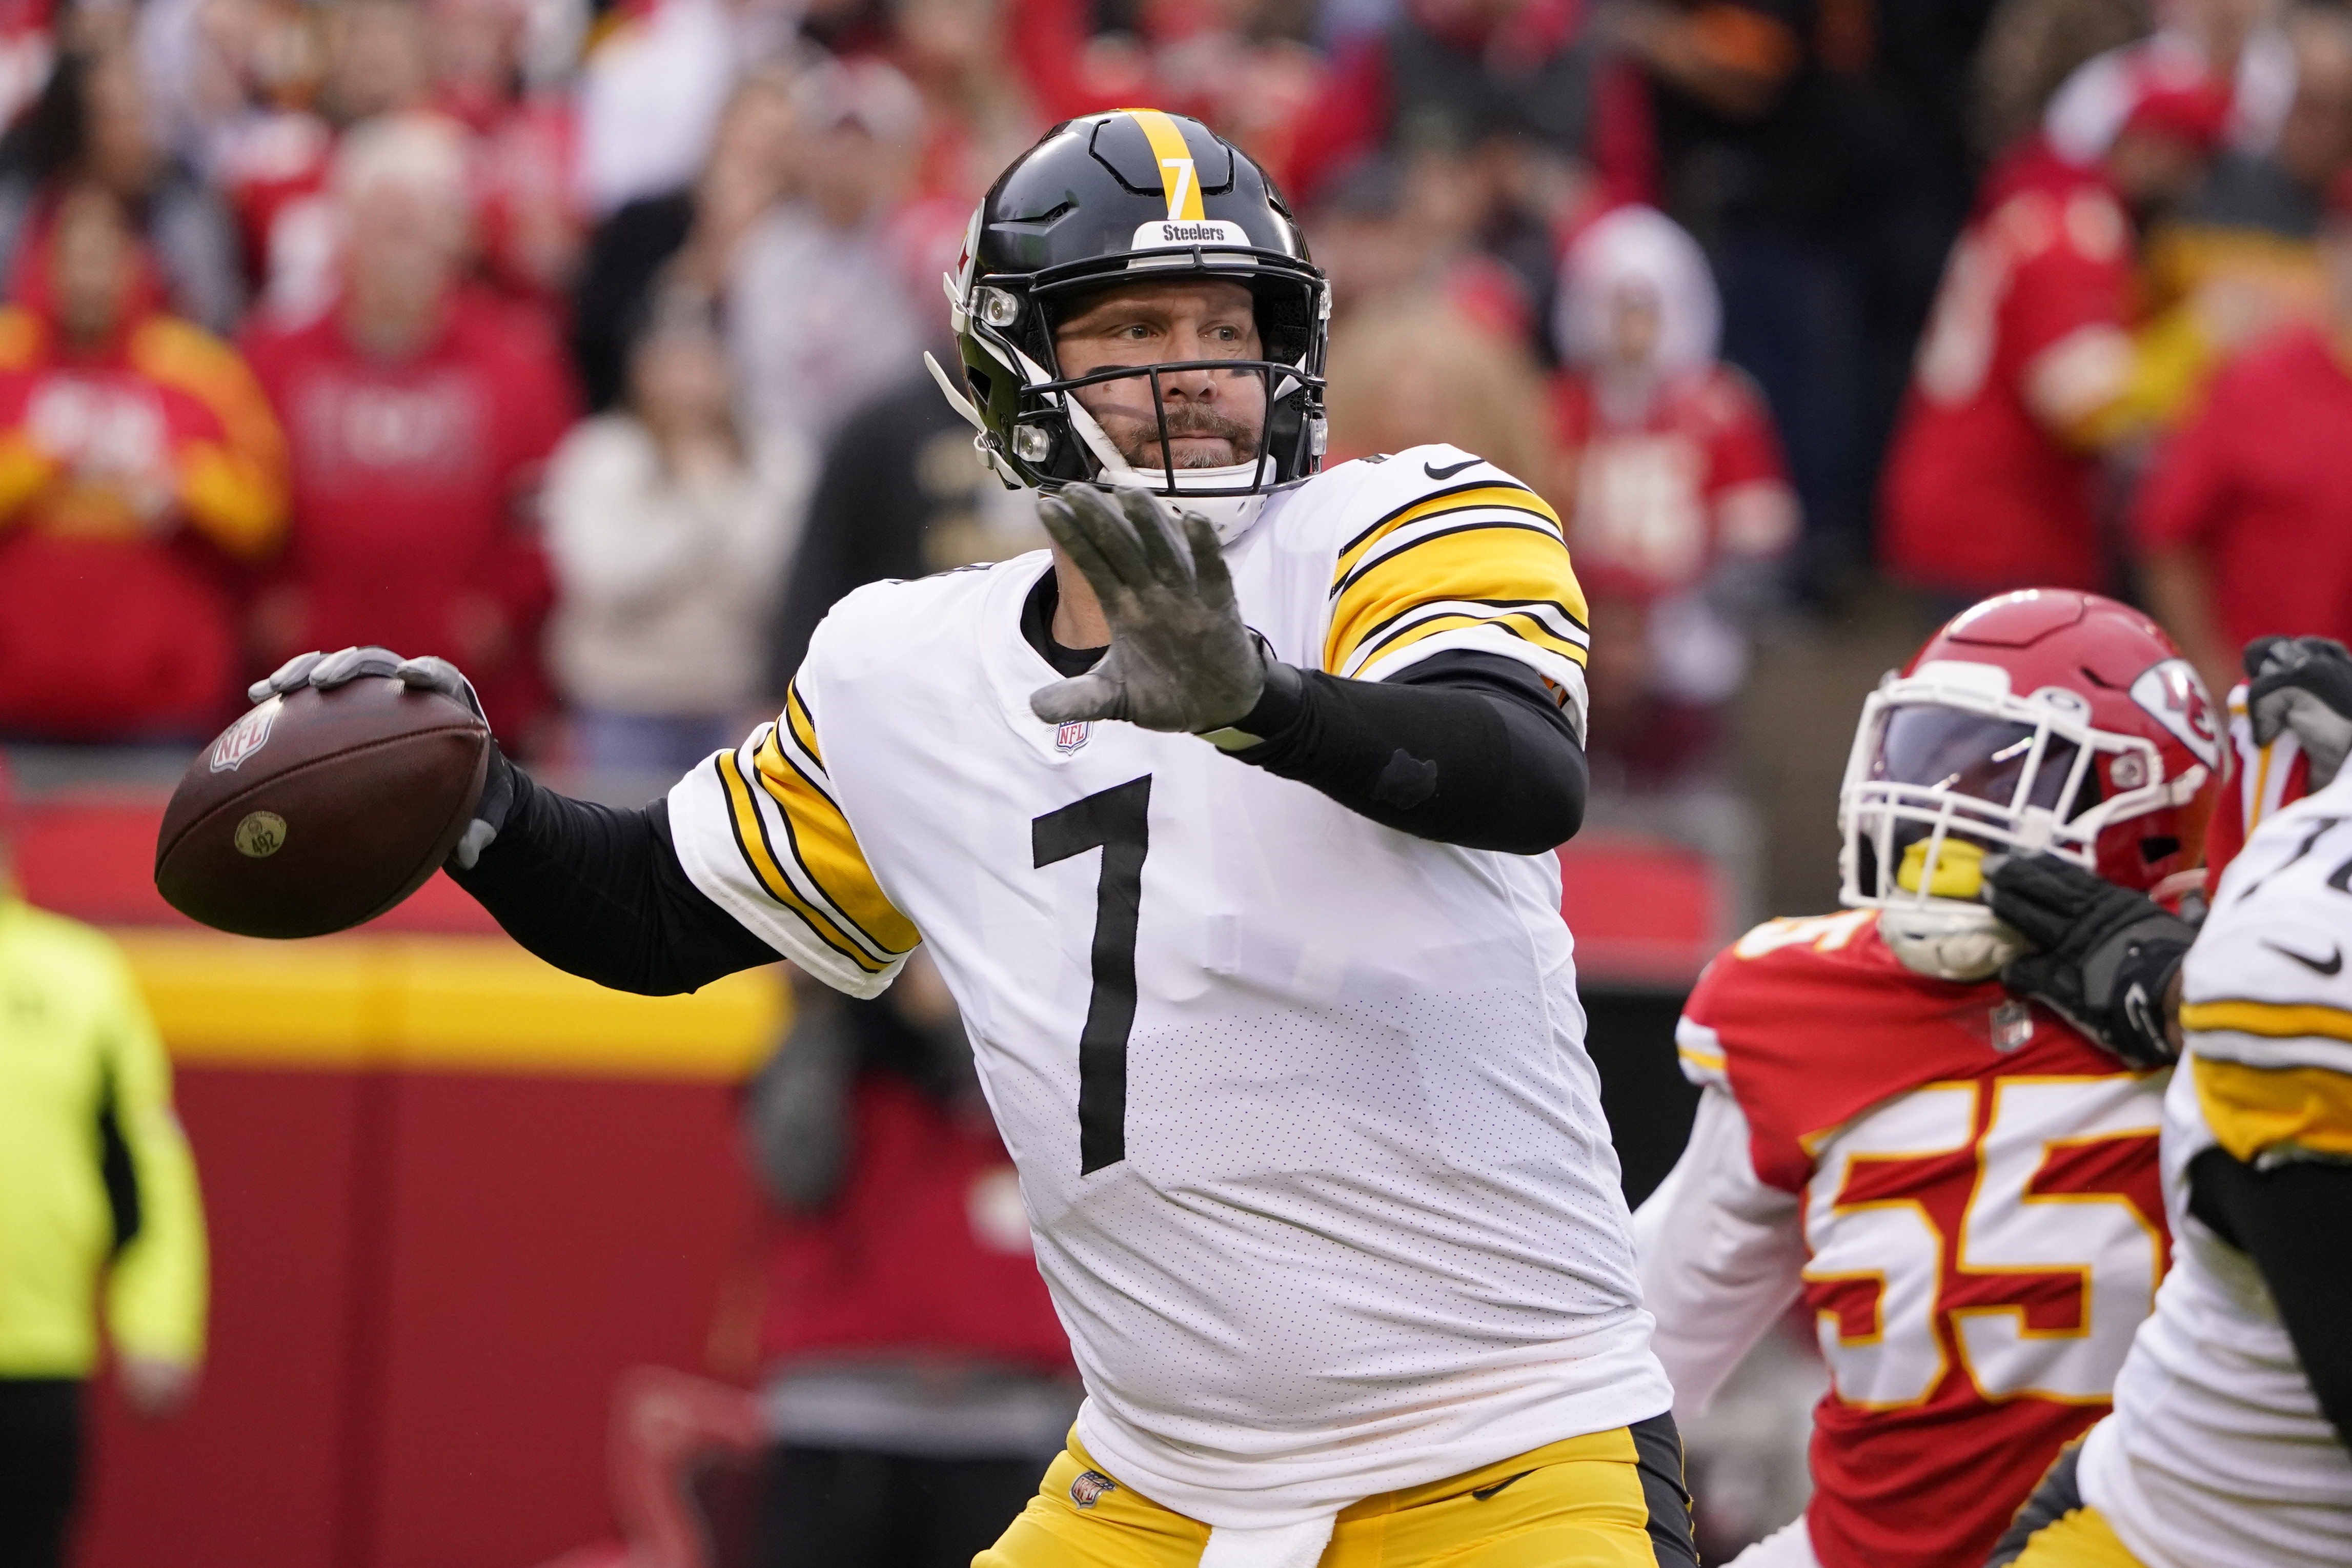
(1226,823)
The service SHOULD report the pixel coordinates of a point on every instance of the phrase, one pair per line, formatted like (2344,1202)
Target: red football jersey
(1978,496)
(1645,523)
(413,480)
(1983,1224)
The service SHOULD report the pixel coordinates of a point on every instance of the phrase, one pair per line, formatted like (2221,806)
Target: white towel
(1297,1545)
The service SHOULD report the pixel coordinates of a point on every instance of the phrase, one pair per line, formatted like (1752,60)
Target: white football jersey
(1307,1132)
(2217,1455)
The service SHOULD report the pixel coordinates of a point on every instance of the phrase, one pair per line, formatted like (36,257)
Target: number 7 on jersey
(1117,822)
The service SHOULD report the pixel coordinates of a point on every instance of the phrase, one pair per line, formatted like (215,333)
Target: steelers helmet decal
(1135,195)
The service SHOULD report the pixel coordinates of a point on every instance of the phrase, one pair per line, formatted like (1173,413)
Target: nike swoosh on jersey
(2332,965)
(1483,1493)
(1451,469)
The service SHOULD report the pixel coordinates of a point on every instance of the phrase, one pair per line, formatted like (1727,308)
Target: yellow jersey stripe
(1476,492)
(2271,1020)
(1508,564)
(1179,180)
(796,715)
(1713,1061)
(751,843)
(1523,627)
(824,847)
(2251,1109)
(1463,498)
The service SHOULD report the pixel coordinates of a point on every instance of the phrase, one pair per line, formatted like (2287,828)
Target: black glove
(328,671)
(2304,685)
(2105,956)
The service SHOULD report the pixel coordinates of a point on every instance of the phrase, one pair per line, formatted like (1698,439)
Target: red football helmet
(2042,720)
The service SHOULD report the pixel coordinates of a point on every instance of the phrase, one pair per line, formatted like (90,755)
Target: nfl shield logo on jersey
(245,736)
(1068,737)
(1092,1486)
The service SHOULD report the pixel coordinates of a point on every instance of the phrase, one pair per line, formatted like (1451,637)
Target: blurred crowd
(579,340)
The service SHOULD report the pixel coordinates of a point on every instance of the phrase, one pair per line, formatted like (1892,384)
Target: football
(317,811)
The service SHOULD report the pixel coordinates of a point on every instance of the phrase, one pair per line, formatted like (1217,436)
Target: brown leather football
(319,810)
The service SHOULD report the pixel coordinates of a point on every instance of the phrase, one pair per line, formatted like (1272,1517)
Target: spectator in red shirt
(2244,526)
(1681,502)
(139,463)
(2027,369)
(420,414)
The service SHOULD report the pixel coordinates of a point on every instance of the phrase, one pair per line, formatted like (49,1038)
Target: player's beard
(1136,434)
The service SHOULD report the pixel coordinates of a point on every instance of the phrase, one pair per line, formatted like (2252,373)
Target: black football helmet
(1133,194)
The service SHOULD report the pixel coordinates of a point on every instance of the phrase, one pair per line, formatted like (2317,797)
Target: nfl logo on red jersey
(1092,1486)
(1068,737)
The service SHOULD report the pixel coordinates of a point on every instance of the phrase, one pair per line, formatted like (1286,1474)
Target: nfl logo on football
(245,736)
(1068,737)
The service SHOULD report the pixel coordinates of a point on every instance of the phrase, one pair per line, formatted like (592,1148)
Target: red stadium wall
(452,1195)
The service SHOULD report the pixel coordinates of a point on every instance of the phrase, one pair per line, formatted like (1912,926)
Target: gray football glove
(2304,685)
(328,671)
(2106,955)
(1180,657)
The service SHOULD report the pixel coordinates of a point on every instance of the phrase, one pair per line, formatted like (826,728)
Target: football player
(1960,1186)
(1226,823)
(2227,1446)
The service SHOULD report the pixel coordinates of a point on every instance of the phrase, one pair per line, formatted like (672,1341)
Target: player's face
(1215,417)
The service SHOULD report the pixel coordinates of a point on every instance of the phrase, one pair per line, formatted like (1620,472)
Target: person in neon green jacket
(99,1214)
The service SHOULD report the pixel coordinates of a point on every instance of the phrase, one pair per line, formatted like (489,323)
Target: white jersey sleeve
(1721,1254)
(760,831)
(2218,1454)
(1441,551)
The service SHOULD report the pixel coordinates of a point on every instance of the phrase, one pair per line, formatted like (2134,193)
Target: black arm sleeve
(1464,749)
(2295,1223)
(600,892)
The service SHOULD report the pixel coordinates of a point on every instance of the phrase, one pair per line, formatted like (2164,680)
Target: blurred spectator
(901,494)
(91,124)
(913,1389)
(667,525)
(651,92)
(277,161)
(138,465)
(2234,44)
(2244,526)
(1398,226)
(1460,75)
(976,111)
(2028,369)
(750,159)
(420,413)
(1817,149)
(1418,370)
(818,308)
(2031,47)
(1681,504)
(520,152)
(27,54)
(99,1215)
(2238,258)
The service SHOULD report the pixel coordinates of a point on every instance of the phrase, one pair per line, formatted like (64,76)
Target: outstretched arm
(1721,1255)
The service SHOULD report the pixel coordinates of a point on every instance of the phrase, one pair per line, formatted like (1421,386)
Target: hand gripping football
(317,811)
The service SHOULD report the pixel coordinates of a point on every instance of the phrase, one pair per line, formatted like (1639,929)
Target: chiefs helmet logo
(245,736)
(1091,1488)
(2173,695)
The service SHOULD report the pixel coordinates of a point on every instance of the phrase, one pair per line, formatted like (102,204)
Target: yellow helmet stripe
(1180,182)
